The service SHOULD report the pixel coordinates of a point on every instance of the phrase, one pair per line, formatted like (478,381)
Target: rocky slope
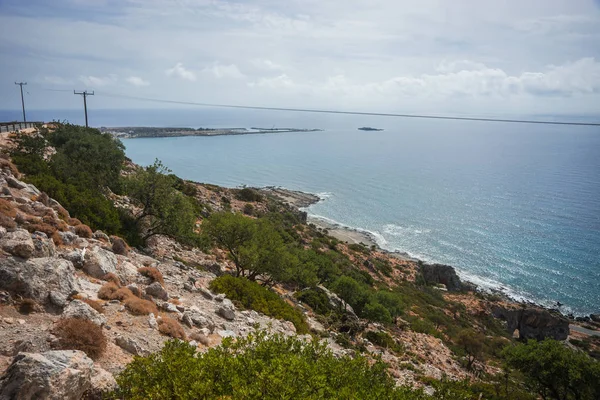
(52,268)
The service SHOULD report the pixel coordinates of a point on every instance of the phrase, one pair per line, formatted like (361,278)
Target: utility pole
(85,94)
(22,101)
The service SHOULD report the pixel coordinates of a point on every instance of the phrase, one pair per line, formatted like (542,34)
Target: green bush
(248,194)
(315,299)
(253,296)
(384,339)
(257,367)
(555,371)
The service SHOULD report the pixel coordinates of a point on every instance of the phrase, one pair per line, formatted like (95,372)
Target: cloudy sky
(468,57)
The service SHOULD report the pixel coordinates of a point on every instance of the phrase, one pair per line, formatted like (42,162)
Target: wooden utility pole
(22,101)
(85,94)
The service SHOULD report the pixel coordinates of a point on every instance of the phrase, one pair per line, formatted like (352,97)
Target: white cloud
(224,71)
(456,79)
(179,71)
(56,80)
(98,81)
(137,81)
(266,64)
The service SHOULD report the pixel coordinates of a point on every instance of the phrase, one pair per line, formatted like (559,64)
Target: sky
(460,57)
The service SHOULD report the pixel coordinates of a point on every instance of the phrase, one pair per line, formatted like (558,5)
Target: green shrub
(315,299)
(555,371)
(384,339)
(257,367)
(253,296)
(248,194)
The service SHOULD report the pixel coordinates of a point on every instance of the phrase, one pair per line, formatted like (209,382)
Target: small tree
(472,343)
(164,210)
(554,371)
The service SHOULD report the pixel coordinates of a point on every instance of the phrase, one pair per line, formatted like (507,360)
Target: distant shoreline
(136,132)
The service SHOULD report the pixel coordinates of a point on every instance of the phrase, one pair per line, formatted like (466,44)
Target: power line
(443,117)
(85,94)
(22,100)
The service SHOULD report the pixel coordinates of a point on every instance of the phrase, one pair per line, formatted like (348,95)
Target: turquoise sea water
(515,207)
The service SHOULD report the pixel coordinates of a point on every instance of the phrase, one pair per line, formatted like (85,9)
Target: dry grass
(170,327)
(95,304)
(7,208)
(41,227)
(119,246)
(83,231)
(107,291)
(80,334)
(27,306)
(57,239)
(7,222)
(4,163)
(73,221)
(139,306)
(200,338)
(112,277)
(62,212)
(152,273)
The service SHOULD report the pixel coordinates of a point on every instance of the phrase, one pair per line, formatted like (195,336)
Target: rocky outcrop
(18,243)
(226,310)
(194,317)
(102,382)
(79,309)
(43,247)
(439,273)
(534,323)
(60,375)
(130,345)
(99,262)
(41,279)
(156,290)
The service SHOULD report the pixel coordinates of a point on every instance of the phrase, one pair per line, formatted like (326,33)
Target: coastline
(303,200)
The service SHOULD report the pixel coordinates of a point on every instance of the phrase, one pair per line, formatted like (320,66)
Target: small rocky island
(368,128)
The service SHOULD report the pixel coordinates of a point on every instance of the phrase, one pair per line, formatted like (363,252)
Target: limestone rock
(152,321)
(205,293)
(15,183)
(67,237)
(99,262)
(54,375)
(18,243)
(227,310)
(130,345)
(534,323)
(38,278)
(43,247)
(79,309)
(444,274)
(100,236)
(156,290)
(102,382)
(195,318)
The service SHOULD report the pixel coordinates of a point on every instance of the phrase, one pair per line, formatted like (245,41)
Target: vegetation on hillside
(258,367)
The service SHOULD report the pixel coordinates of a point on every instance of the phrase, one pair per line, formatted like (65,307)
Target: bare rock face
(102,382)
(60,375)
(18,243)
(45,280)
(534,323)
(194,317)
(227,310)
(99,262)
(44,247)
(444,274)
(156,290)
(130,346)
(79,309)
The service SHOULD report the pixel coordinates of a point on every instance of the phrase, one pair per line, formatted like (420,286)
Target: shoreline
(303,200)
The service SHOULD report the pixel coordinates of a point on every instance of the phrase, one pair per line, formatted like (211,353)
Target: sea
(513,207)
